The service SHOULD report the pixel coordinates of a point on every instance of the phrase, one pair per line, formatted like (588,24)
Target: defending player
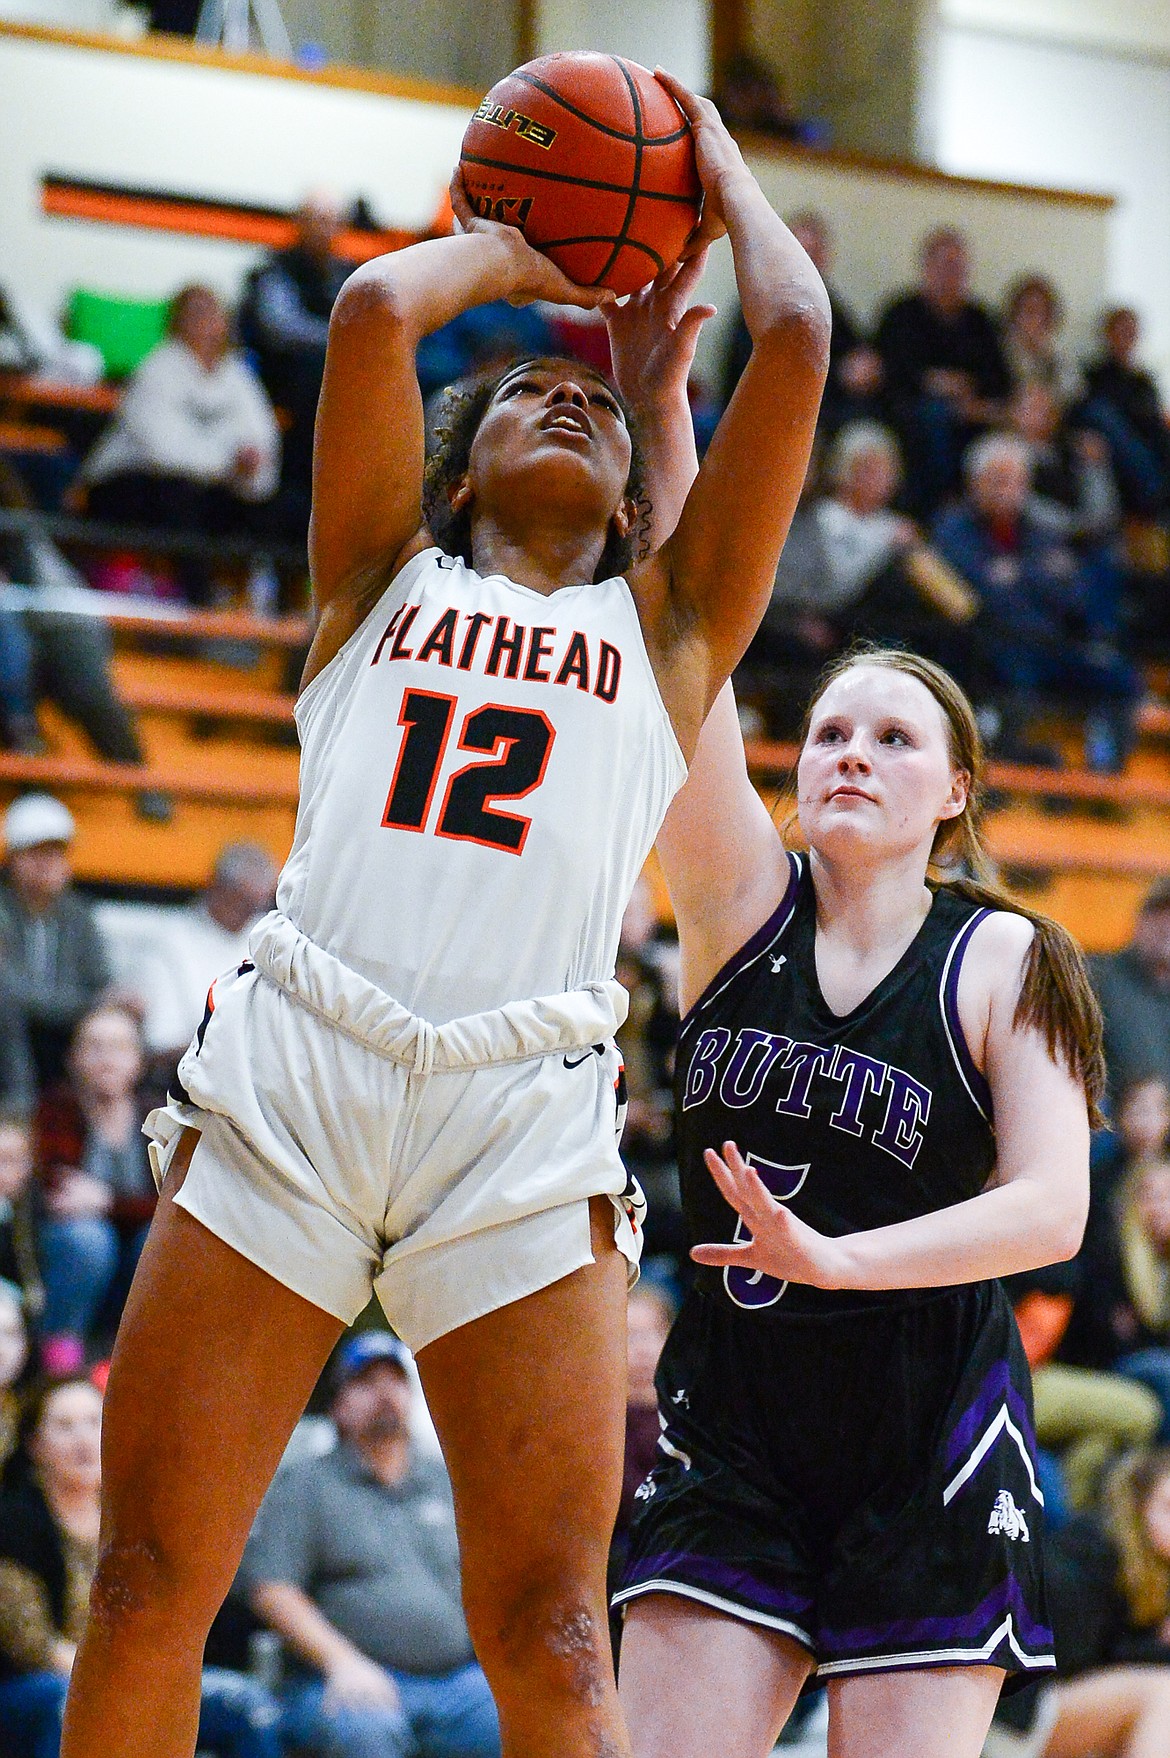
(411,1087)
(890,1078)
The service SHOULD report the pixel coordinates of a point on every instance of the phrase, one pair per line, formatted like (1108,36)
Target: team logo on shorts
(1007,1518)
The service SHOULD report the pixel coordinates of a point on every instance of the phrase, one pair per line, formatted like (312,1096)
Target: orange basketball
(592,158)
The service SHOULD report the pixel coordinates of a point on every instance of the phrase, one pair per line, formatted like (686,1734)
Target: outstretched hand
(716,157)
(780,1244)
(652,336)
(536,275)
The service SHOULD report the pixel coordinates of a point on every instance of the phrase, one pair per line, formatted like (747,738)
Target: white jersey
(484,770)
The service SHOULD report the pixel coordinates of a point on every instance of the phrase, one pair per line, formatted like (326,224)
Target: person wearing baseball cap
(354,1562)
(51,952)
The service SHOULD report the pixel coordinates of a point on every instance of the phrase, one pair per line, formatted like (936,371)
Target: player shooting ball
(401,1090)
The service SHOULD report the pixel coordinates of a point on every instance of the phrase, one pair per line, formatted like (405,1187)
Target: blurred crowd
(977,493)
(981,495)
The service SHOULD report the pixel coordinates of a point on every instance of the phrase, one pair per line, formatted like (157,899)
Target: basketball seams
(549,91)
(636,176)
(577,182)
(605,238)
(621,160)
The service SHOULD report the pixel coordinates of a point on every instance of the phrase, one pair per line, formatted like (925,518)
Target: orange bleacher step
(162,694)
(214,779)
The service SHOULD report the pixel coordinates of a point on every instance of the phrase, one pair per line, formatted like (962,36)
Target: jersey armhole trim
(975,1082)
(403,576)
(752,949)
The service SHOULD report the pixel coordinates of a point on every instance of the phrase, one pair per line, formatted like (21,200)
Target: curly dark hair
(456,423)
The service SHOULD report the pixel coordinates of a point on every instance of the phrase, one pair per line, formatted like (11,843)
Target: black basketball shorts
(864,1484)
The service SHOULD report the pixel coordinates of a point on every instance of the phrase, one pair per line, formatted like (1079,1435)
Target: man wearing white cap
(53,958)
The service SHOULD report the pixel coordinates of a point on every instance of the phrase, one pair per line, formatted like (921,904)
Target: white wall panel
(1073,118)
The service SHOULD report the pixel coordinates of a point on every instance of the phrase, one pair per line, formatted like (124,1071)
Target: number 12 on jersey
(518,742)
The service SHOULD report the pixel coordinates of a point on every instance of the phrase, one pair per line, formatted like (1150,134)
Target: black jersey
(857,1120)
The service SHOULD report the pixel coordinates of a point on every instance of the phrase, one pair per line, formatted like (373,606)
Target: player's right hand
(717,158)
(531,274)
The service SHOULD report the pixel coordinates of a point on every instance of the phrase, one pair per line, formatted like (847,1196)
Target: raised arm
(368,452)
(722,857)
(702,598)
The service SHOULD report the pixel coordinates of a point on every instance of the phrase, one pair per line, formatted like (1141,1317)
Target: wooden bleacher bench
(217,784)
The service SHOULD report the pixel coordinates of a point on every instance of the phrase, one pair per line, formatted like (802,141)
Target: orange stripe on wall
(206,220)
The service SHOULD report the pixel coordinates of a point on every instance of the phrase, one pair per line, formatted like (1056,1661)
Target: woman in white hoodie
(195,445)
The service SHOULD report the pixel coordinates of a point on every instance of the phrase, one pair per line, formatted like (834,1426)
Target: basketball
(593,160)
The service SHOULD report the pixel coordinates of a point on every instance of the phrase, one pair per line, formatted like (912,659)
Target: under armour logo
(1007,1518)
(778,959)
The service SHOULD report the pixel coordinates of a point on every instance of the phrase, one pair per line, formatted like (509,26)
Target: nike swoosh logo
(579,1060)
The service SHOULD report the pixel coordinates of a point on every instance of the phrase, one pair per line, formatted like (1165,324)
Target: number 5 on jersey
(753,1289)
(518,741)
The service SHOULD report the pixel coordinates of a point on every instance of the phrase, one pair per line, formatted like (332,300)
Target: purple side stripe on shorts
(996,1389)
(710,1572)
(1008,1596)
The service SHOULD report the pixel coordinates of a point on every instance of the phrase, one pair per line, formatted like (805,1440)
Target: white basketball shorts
(347,1146)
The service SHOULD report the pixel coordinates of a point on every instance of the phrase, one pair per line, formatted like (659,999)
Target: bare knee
(546,1635)
(144,1586)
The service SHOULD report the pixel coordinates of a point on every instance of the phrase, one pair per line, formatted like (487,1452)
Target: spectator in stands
(1071,470)
(17,1072)
(50,1510)
(1125,406)
(51,953)
(1133,987)
(853,387)
(946,377)
(97,1188)
(168,958)
(14,1360)
(749,95)
(19,1260)
(1041,628)
(284,320)
(65,655)
(1122,1316)
(353,1561)
(194,446)
(1033,316)
(1084,1417)
(1109,1600)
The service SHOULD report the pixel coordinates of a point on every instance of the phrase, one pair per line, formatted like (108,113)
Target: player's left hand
(652,336)
(780,1244)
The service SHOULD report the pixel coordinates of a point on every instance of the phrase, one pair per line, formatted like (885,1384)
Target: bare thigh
(943,1712)
(1119,1712)
(213,1365)
(529,1404)
(695,1681)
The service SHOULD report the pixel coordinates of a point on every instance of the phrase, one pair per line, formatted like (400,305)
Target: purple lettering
(702,1071)
(862,1075)
(909,1111)
(755,1054)
(806,1060)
